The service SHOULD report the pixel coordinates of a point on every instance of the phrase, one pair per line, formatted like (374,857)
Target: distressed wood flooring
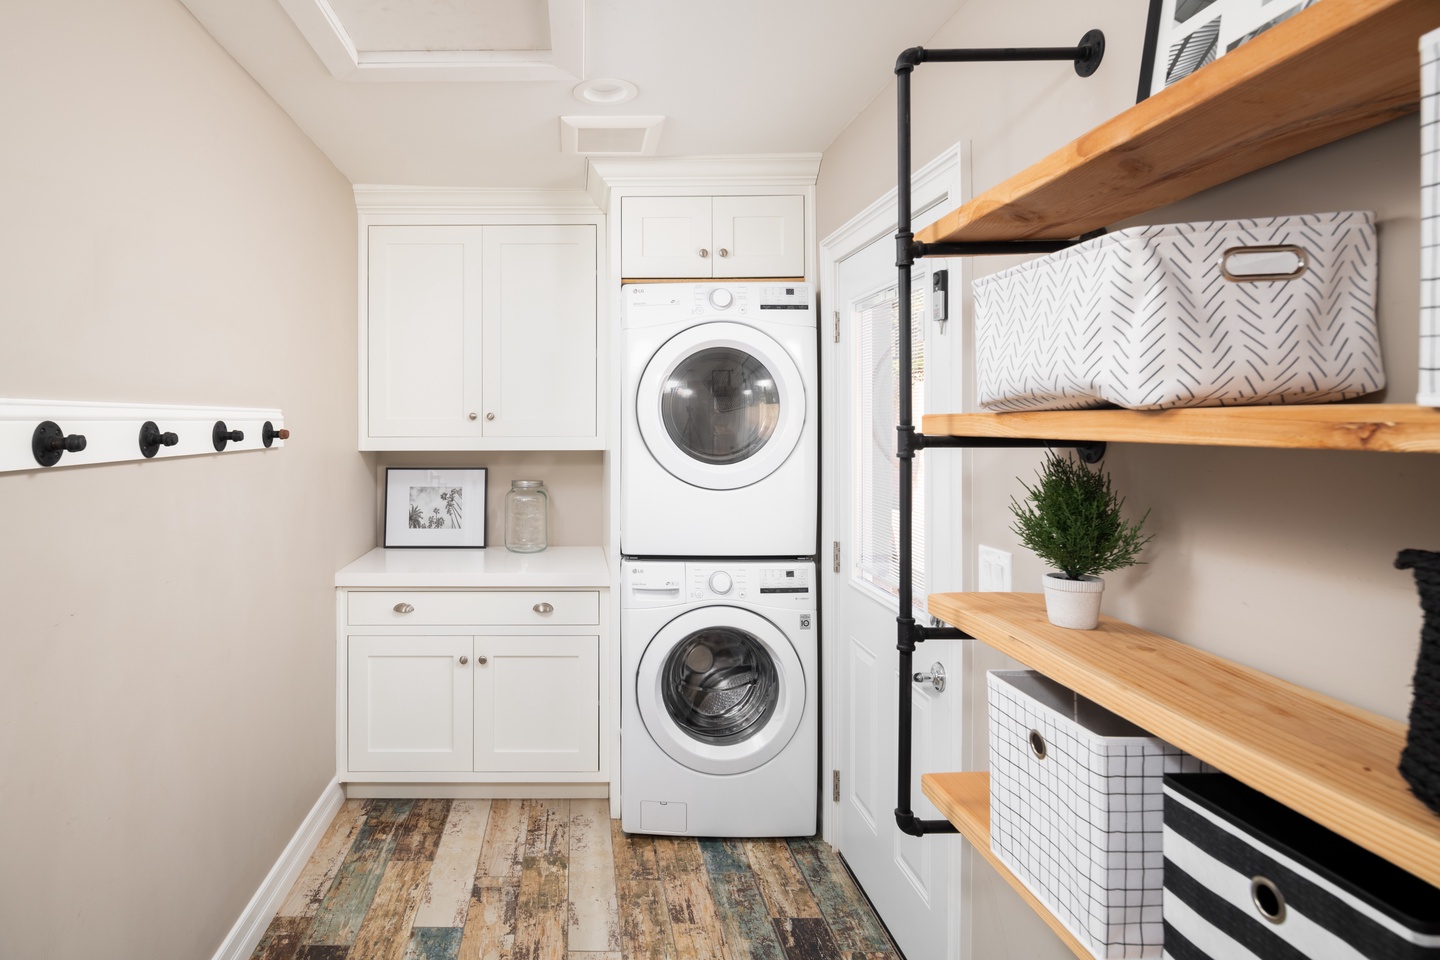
(558,880)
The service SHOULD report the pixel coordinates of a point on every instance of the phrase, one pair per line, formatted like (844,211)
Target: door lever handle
(936,677)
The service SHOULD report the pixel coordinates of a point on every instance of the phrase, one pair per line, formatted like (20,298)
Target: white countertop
(490,567)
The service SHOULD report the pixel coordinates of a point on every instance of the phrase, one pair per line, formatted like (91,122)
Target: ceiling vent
(610,136)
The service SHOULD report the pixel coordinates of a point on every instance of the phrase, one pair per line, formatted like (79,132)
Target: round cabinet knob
(489,416)
(721,298)
(723,252)
(464,660)
(482,660)
(474,416)
(720,582)
(543,608)
(404,608)
(704,253)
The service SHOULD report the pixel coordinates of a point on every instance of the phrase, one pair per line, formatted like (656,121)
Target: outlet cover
(994,570)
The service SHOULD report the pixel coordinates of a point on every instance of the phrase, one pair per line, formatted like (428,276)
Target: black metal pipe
(1086,57)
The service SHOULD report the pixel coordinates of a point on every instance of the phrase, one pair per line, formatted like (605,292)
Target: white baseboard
(243,938)
(479,791)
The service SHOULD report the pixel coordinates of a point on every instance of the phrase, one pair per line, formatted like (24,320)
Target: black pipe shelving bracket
(1086,57)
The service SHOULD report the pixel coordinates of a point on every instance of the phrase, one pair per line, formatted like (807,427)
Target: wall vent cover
(610,136)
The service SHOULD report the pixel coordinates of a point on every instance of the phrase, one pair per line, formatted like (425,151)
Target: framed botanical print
(437,507)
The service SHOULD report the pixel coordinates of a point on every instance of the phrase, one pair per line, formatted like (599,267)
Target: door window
(720,686)
(720,405)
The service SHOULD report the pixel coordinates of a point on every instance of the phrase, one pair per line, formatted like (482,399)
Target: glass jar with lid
(527,516)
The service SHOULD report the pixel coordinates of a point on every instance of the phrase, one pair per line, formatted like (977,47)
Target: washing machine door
(721,405)
(720,689)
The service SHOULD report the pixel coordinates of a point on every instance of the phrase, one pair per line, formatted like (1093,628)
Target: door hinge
(835,556)
(835,785)
(837,326)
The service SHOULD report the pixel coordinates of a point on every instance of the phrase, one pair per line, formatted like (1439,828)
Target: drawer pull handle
(464,660)
(482,660)
(543,607)
(404,608)
(1268,899)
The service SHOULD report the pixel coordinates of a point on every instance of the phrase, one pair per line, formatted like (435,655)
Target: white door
(909,879)
(721,406)
(423,323)
(758,236)
(665,237)
(410,703)
(540,333)
(537,704)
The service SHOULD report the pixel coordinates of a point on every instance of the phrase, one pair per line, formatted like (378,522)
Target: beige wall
(167,635)
(1278,559)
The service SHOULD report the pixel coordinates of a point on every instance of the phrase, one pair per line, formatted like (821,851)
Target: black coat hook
(151,439)
(49,443)
(269,434)
(221,435)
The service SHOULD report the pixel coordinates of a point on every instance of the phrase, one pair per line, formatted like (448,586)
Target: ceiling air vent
(610,136)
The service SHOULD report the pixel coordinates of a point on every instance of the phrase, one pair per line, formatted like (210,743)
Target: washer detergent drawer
(461,607)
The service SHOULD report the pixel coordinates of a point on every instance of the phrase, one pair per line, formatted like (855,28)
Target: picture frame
(435,507)
(1182,36)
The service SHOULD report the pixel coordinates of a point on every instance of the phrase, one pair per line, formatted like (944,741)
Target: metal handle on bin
(1265,254)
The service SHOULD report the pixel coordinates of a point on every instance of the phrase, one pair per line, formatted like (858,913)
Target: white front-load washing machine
(719,449)
(718,724)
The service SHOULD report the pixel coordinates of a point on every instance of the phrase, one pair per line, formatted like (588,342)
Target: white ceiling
(730,76)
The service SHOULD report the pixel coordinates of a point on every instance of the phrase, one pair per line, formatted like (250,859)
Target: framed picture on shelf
(434,507)
(1184,35)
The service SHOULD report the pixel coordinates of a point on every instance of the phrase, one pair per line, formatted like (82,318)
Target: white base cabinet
(473,686)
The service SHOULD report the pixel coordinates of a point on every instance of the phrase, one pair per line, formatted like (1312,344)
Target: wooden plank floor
(558,880)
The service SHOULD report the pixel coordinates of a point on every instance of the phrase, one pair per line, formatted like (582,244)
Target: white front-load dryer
(719,449)
(718,723)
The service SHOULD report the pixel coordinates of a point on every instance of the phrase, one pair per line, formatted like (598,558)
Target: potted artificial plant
(1071,520)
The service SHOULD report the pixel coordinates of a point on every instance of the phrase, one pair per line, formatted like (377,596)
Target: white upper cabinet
(719,237)
(480,337)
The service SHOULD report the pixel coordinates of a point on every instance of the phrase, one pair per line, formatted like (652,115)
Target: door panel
(410,703)
(759,236)
(663,236)
(537,704)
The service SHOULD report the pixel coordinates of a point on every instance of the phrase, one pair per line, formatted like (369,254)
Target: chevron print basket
(1165,316)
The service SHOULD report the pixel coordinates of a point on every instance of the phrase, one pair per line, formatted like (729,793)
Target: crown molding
(371,198)
(792,169)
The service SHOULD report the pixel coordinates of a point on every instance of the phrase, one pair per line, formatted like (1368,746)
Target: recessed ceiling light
(605,90)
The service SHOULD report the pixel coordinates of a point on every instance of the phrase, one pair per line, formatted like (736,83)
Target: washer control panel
(777,582)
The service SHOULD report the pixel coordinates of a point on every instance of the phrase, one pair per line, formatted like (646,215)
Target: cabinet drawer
(459,608)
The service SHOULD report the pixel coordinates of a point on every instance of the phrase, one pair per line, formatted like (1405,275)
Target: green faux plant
(1071,520)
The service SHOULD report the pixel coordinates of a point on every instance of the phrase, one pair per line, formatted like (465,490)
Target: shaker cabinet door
(423,337)
(537,704)
(411,703)
(665,237)
(759,236)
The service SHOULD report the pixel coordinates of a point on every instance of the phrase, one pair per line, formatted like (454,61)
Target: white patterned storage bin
(1076,802)
(1278,310)
(1246,876)
(1429,220)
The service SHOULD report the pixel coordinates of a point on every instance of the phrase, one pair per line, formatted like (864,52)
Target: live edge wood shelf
(1395,427)
(1330,761)
(1330,71)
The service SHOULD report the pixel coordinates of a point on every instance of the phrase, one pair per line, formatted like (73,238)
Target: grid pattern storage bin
(1075,810)
(1245,876)
(1228,312)
(1429,220)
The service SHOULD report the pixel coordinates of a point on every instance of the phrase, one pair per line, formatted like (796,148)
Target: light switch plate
(994,570)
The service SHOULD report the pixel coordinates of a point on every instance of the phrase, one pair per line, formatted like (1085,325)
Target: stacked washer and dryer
(719,484)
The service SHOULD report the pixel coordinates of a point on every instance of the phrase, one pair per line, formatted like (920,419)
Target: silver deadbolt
(464,660)
(936,677)
(404,608)
(543,607)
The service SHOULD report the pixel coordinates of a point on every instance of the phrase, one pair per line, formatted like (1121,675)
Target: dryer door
(720,690)
(721,405)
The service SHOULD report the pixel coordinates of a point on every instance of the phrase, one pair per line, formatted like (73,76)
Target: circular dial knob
(721,298)
(720,582)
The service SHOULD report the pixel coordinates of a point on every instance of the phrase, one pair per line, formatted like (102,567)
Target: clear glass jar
(527,516)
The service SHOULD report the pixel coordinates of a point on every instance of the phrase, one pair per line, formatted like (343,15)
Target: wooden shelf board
(964,798)
(1332,762)
(1330,71)
(1393,427)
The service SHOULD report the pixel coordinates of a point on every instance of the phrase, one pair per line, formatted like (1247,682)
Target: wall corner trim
(245,935)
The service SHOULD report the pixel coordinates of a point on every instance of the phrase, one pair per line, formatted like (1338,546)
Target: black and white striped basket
(1247,878)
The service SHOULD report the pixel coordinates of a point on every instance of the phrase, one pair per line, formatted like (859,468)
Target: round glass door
(720,690)
(721,405)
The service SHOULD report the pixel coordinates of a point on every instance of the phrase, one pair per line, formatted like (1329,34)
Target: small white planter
(1073,603)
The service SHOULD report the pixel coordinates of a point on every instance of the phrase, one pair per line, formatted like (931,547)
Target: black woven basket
(1420,760)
